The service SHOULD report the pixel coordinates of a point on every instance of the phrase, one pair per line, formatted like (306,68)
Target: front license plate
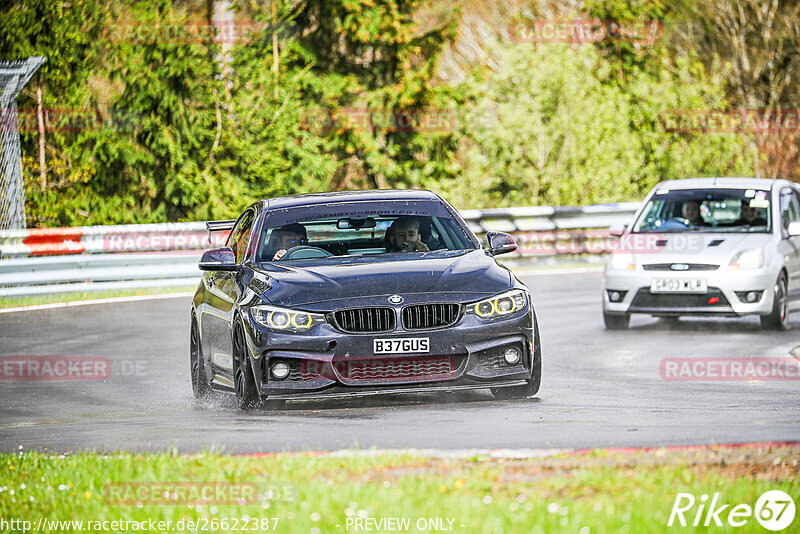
(406,345)
(678,285)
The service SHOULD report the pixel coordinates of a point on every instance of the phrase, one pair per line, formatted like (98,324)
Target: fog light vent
(751,297)
(616,296)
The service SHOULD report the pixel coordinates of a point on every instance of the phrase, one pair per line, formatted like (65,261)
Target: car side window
(241,235)
(790,208)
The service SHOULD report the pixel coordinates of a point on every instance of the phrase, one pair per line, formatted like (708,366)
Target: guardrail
(106,239)
(98,258)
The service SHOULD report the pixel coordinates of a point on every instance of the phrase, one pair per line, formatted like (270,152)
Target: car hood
(325,284)
(687,247)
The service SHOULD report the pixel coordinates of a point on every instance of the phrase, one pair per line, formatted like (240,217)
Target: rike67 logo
(774,510)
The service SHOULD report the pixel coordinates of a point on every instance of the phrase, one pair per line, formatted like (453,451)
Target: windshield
(357,229)
(706,210)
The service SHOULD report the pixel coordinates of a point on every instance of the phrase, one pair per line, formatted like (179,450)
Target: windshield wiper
(743,228)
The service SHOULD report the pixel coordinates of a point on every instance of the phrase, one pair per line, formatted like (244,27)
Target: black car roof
(348,196)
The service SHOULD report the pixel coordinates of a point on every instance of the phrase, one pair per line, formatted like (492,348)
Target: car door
(222,292)
(790,246)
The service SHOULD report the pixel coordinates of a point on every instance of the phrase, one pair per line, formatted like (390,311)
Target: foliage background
(177,133)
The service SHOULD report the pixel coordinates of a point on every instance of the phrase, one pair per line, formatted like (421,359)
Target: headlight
(285,319)
(623,262)
(751,258)
(500,305)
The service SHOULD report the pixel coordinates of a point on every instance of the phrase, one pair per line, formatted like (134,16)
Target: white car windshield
(706,210)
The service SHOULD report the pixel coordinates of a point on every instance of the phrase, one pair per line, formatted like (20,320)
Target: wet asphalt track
(599,388)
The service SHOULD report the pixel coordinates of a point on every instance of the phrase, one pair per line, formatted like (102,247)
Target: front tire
(522,392)
(246,393)
(616,321)
(200,388)
(778,318)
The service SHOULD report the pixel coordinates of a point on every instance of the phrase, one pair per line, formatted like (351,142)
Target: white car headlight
(751,258)
(500,305)
(285,319)
(623,262)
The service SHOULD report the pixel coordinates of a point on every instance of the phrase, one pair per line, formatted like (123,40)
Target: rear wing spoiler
(219,226)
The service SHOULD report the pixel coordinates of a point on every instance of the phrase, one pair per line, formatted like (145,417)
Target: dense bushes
(546,128)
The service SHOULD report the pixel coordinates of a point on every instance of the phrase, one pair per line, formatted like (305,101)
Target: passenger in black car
(404,236)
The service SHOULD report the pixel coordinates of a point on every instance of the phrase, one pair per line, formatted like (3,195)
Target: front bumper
(325,362)
(724,296)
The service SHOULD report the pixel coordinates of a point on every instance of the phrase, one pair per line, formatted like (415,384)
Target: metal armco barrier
(98,258)
(98,272)
(107,239)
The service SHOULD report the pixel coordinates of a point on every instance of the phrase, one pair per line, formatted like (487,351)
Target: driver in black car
(284,238)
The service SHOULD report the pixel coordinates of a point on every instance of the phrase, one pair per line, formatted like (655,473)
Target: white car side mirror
(793,229)
(617,230)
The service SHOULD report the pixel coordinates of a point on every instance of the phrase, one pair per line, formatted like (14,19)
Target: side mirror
(500,243)
(617,230)
(793,229)
(218,259)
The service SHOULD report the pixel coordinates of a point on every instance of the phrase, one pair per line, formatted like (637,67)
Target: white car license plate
(406,345)
(678,285)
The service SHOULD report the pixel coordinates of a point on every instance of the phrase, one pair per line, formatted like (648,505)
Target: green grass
(13,302)
(598,492)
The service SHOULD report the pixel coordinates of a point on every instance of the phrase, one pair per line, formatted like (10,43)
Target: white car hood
(696,247)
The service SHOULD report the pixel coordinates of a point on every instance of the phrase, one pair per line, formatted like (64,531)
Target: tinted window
(790,211)
(241,235)
(361,229)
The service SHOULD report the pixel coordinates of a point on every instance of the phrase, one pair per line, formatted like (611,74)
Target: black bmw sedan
(359,293)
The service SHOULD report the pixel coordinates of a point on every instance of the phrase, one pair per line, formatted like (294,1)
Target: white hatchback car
(708,246)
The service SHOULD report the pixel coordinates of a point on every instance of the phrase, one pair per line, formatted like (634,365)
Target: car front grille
(425,316)
(713,299)
(690,267)
(365,320)
(399,368)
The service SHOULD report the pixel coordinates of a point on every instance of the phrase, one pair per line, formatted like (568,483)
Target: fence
(97,258)
(13,77)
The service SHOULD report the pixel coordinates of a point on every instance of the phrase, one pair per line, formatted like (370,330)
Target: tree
(547,129)
(67,34)
(758,41)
